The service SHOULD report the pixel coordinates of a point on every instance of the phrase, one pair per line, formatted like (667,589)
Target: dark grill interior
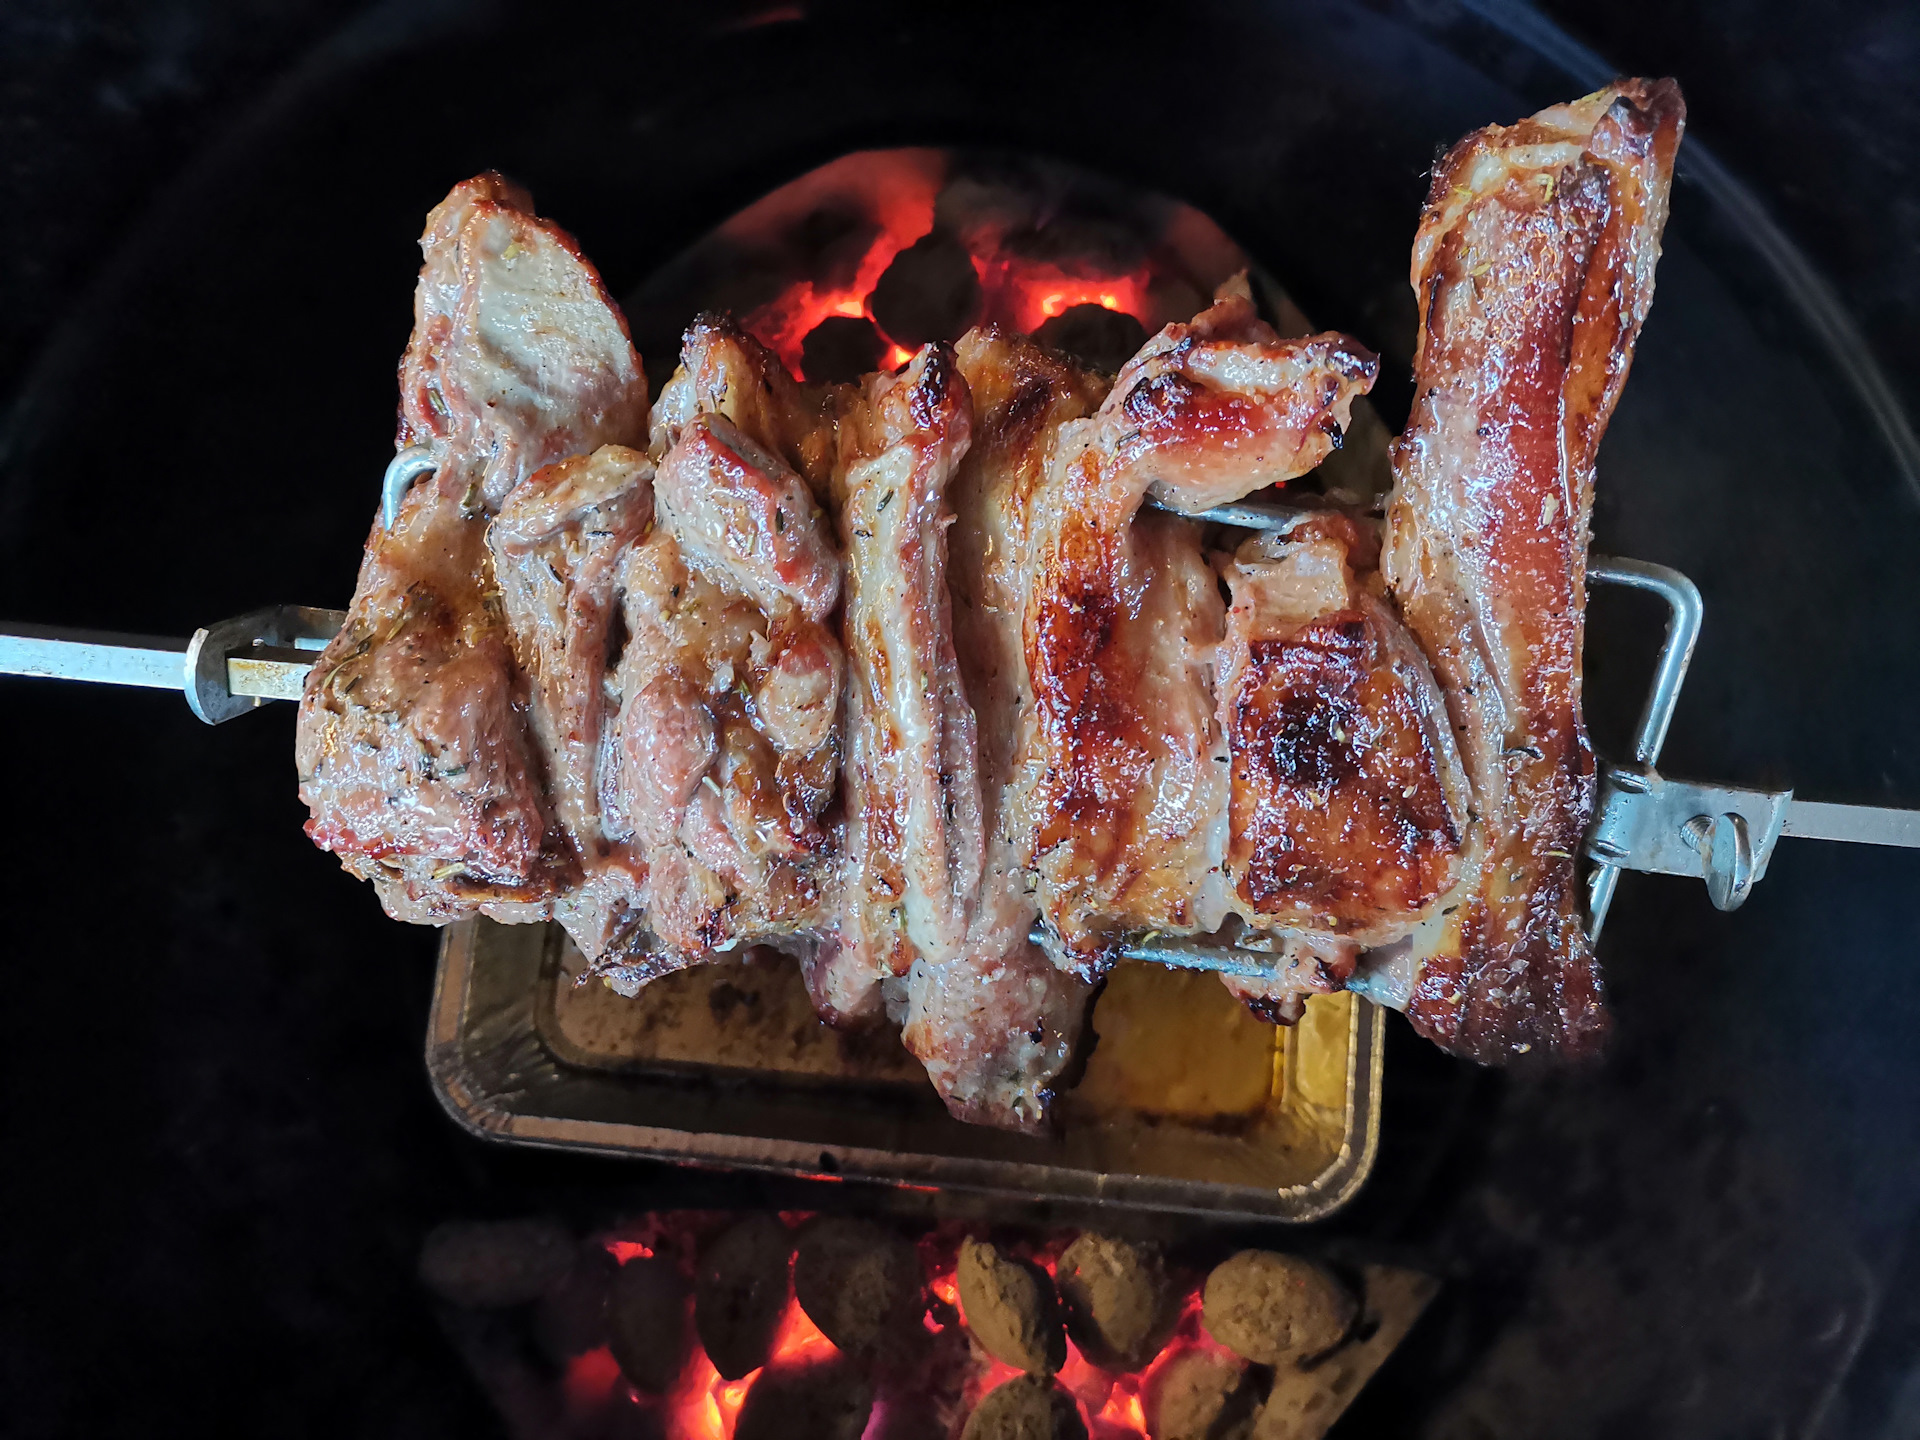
(222,1154)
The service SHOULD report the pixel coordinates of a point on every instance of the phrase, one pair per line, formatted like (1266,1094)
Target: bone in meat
(557,544)
(1123,617)
(911,783)
(1534,269)
(411,741)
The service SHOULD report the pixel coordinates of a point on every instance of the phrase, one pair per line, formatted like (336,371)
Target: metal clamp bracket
(1716,833)
(265,655)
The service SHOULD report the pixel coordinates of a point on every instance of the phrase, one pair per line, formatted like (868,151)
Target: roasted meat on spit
(1127,799)
(412,746)
(730,679)
(943,682)
(1534,269)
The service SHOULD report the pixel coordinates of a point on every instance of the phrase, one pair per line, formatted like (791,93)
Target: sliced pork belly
(911,782)
(1349,808)
(1123,617)
(743,517)
(725,371)
(519,357)
(1211,411)
(1130,807)
(411,742)
(1534,270)
(557,545)
(994,1020)
(728,737)
(993,1029)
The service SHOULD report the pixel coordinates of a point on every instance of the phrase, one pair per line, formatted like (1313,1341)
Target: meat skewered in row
(882,674)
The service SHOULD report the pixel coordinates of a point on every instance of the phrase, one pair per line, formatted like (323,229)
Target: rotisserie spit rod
(1643,820)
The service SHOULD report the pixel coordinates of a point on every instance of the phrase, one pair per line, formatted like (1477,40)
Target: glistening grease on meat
(729,738)
(412,742)
(911,782)
(1534,270)
(883,675)
(995,1022)
(1123,617)
(1349,808)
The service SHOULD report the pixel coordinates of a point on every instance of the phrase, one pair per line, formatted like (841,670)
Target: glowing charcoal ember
(1276,1309)
(647,1326)
(1010,1308)
(831,1400)
(799,1339)
(1026,1407)
(1198,1395)
(930,292)
(591,1379)
(840,349)
(861,1285)
(925,243)
(570,1318)
(945,1384)
(1118,1300)
(742,1293)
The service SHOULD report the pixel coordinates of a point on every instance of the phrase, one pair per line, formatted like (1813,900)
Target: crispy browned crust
(1534,271)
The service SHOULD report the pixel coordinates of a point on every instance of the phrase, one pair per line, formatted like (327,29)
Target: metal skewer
(1643,820)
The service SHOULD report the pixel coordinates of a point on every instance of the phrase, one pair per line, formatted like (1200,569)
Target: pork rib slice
(1210,411)
(725,371)
(1533,266)
(1348,808)
(557,545)
(910,781)
(519,357)
(996,1021)
(1123,618)
(411,742)
(728,735)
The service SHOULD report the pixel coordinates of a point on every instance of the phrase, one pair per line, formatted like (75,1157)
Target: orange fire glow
(703,1406)
(947,1287)
(1016,292)
(784,323)
(591,1380)
(1026,295)
(799,1339)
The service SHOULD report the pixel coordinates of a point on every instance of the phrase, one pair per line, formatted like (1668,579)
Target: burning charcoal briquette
(1026,1408)
(740,1292)
(491,1264)
(570,1318)
(930,292)
(1276,1309)
(861,1285)
(1097,337)
(647,1323)
(830,1400)
(1199,1396)
(1119,1304)
(841,348)
(1010,1308)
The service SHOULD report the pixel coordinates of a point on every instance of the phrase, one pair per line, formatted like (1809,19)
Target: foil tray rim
(505,1116)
